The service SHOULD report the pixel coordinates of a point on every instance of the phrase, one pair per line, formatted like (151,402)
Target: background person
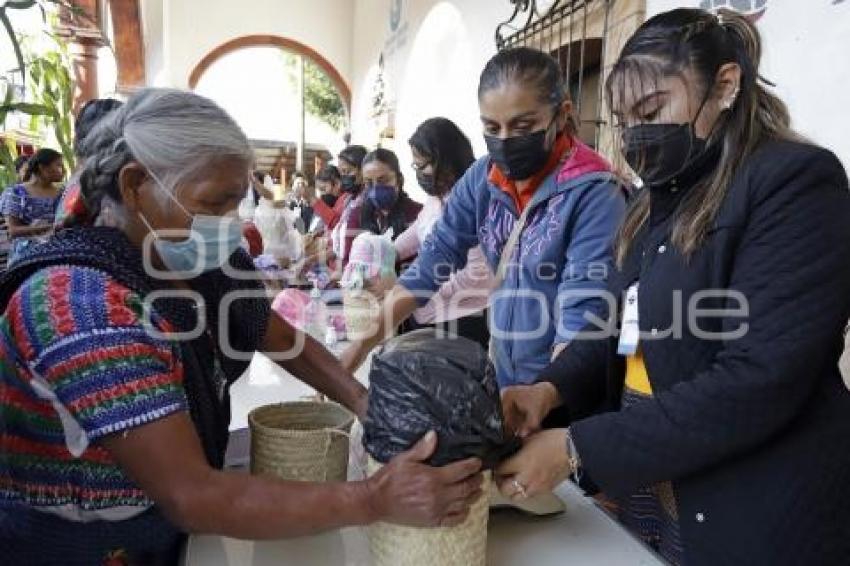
(343,219)
(441,155)
(539,184)
(329,189)
(300,203)
(258,187)
(30,207)
(21,167)
(386,207)
(5,240)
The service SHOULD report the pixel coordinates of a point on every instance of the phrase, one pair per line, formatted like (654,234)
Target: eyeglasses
(419,167)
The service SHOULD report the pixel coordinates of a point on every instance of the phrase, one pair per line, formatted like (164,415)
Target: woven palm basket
(300,441)
(360,311)
(463,545)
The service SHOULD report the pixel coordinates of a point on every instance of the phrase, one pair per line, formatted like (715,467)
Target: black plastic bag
(420,382)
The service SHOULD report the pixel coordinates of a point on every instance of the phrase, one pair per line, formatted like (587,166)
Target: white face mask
(211,242)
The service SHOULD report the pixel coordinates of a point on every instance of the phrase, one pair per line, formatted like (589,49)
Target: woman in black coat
(709,406)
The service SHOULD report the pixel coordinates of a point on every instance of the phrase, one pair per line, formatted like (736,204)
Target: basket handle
(347,435)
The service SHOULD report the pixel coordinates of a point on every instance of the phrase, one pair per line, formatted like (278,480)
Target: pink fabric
(373,254)
(408,242)
(466,292)
(291,306)
(583,161)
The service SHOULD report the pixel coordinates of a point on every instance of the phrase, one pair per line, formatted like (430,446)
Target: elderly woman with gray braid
(114,411)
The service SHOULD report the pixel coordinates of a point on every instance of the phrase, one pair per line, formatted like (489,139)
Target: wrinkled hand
(408,492)
(525,406)
(541,465)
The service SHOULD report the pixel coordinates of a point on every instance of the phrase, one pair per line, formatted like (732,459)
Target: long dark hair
(44,157)
(531,68)
(353,154)
(397,218)
(446,146)
(692,39)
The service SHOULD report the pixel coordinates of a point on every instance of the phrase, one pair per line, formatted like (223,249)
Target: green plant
(321,97)
(8,151)
(42,5)
(50,88)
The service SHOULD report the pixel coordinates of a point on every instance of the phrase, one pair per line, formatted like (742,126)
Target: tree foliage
(49,89)
(321,97)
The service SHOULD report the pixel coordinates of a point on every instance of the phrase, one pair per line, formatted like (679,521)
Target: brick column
(82,32)
(84,65)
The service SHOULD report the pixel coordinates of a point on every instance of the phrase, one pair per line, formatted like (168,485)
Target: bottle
(315,315)
(330,336)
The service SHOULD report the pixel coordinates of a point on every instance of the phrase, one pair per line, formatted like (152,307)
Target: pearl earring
(727,104)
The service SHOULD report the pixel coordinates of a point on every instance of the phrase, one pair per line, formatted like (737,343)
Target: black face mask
(428,183)
(519,157)
(329,199)
(659,152)
(349,183)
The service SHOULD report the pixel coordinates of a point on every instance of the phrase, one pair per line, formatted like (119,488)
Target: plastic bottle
(316,317)
(330,336)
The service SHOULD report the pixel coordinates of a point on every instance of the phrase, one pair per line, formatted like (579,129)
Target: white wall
(193,28)
(433,73)
(805,54)
(151,12)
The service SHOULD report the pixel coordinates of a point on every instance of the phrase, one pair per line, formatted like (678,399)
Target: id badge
(630,331)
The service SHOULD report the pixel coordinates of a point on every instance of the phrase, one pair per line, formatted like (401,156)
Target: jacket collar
(664,198)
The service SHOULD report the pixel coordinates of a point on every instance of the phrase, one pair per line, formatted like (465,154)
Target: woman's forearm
(165,459)
(321,370)
(398,304)
(313,364)
(263,507)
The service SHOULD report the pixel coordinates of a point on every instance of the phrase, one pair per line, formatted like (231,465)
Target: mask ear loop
(693,134)
(147,224)
(161,186)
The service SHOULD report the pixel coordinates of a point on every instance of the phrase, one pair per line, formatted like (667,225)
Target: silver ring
(519,489)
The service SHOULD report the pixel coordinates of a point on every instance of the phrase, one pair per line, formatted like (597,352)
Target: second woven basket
(301,440)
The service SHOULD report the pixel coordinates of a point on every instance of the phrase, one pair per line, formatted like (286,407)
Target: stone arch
(273,41)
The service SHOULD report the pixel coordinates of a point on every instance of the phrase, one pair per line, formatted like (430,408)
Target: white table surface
(584,534)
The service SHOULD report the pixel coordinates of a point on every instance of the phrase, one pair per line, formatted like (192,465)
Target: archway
(272,41)
(255,78)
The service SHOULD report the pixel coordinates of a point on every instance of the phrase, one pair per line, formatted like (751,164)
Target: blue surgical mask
(382,197)
(212,241)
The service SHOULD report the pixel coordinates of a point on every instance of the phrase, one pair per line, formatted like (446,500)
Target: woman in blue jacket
(560,196)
